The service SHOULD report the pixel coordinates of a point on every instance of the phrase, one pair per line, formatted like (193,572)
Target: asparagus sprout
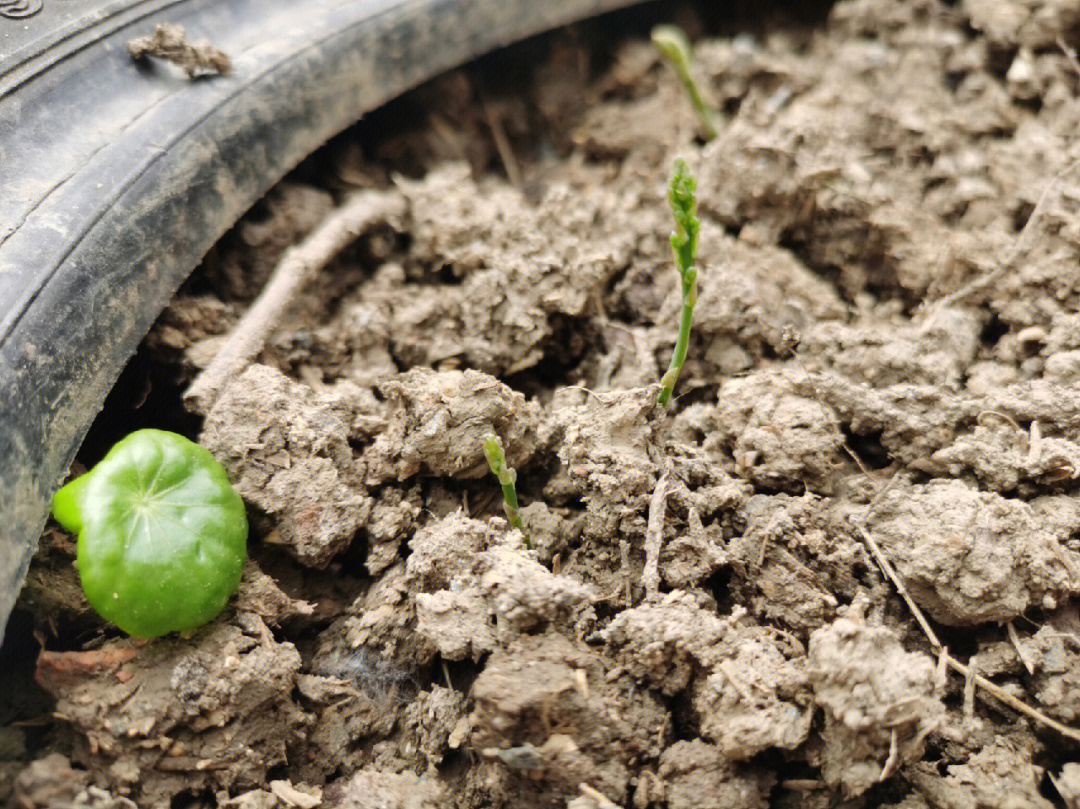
(684,241)
(493,451)
(675,47)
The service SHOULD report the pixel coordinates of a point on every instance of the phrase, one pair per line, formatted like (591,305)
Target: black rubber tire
(115,179)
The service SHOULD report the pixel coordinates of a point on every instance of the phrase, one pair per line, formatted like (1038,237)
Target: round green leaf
(162,534)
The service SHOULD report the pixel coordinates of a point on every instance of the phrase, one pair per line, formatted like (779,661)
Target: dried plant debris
(239,267)
(1067,783)
(170,42)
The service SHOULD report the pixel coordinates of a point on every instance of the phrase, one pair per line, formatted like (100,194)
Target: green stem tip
(682,196)
(507,478)
(675,48)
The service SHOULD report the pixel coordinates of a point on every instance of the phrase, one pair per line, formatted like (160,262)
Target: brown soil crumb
(169,42)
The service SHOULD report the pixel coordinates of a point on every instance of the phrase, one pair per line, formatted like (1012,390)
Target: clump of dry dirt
(692,618)
(286,449)
(972,557)
(475,589)
(880,702)
(214,712)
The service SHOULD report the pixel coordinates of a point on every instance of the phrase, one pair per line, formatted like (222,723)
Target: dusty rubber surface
(394,644)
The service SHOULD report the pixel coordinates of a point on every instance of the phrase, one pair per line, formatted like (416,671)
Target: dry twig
(969,692)
(1070,54)
(944,658)
(893,761)
(654,536)
(502,144)
(597,797)
(624,560)
(1015,641)
(297,268)
(736,683)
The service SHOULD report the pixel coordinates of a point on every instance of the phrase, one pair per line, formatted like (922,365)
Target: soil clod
(170,42)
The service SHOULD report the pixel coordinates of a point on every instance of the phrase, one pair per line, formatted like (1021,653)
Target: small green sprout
(684,241)
(507,477)
(675,47)
(162,534)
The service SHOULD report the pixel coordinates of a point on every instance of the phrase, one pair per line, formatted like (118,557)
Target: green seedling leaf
(162,534)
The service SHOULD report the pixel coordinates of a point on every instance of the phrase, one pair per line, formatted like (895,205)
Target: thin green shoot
(507,477)
(684,243)
(675,48)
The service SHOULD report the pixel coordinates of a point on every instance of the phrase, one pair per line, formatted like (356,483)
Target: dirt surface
(887,344)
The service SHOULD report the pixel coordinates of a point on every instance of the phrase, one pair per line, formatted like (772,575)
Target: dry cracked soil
(885,358)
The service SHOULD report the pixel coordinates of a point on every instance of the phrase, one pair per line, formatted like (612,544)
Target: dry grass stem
(598,797)
(502,144)
(1015,641)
